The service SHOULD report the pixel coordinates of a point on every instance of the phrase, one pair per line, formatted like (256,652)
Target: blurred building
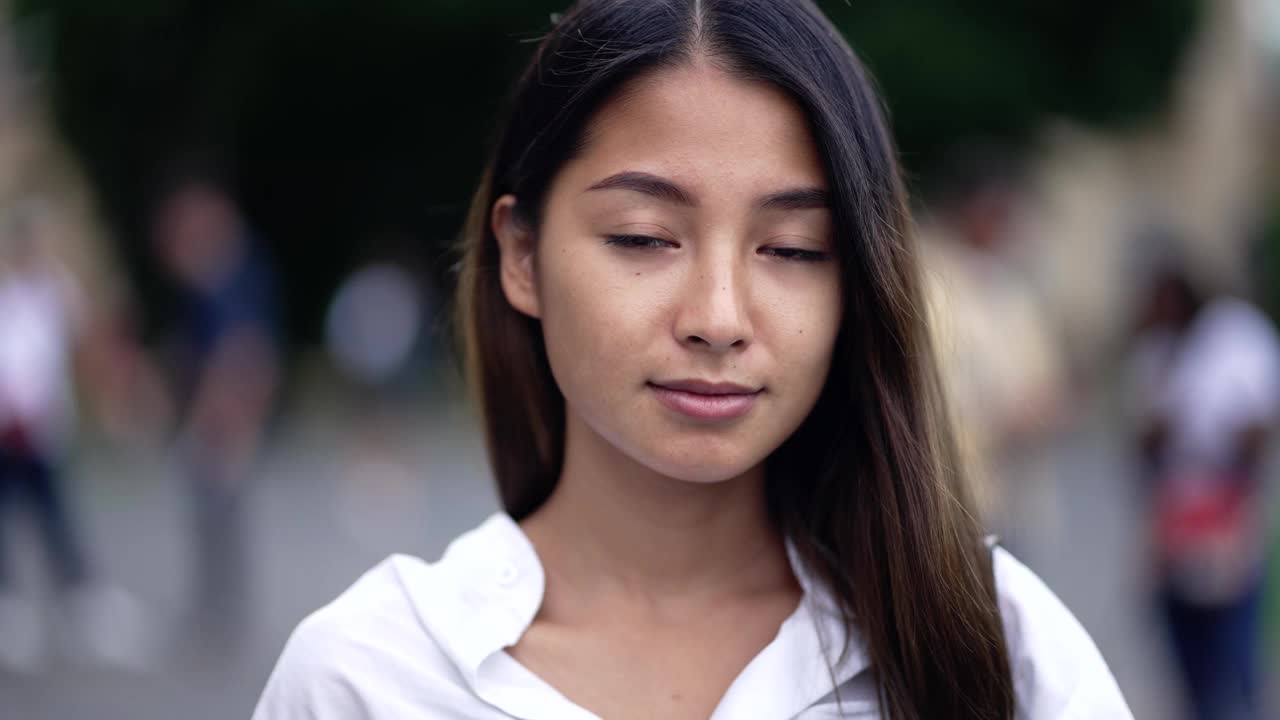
(1202,169)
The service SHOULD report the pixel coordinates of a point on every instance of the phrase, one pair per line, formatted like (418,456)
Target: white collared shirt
(426,641)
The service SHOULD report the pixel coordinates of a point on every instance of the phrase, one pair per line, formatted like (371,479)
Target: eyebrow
(795,199)
(802,198)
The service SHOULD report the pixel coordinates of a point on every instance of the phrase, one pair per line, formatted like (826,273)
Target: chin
(707,469)
(687,454)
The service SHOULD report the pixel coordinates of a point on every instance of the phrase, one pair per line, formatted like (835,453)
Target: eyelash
(797,254)
(639,241)
(645,242)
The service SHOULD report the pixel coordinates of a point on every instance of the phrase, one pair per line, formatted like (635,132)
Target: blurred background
(226,380)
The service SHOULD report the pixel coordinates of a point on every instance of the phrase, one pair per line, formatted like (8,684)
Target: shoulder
(408,638)
(1238,324)
(1057,669)
(362,654)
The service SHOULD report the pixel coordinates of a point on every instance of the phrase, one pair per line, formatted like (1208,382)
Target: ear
(516,244)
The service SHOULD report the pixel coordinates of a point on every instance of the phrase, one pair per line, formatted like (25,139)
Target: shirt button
(507,574)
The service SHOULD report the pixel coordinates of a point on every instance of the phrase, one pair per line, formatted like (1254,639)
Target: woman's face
(684,275)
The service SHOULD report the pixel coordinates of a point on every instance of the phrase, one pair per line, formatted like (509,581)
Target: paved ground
(315,529)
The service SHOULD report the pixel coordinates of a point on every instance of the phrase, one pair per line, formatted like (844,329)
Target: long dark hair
(869,490)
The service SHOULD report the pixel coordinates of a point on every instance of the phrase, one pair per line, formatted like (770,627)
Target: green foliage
(1268,270)
(348,120)
(1000,68)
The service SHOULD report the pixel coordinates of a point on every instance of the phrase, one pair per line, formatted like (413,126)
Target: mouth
(706,401)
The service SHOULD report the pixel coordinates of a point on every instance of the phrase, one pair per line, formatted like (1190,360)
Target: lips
(704,400)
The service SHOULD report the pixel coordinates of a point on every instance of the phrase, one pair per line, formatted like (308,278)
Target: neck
(613,525)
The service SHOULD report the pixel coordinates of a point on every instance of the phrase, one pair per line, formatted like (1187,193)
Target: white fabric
(418,641)
(38,326)
(1222,378)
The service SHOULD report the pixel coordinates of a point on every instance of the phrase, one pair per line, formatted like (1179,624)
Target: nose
(714,310)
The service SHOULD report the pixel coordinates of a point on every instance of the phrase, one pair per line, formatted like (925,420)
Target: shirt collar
(485,591)
(488,586)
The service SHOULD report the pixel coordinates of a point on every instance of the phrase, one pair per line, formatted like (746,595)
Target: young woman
(692,316)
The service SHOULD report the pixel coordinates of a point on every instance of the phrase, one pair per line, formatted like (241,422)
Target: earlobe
(516,245)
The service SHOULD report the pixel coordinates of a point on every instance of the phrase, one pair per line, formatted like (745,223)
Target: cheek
(819,333)
(802,344)
(595,322)
(805,319)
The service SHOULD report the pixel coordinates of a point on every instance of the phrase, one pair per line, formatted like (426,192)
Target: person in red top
(43,317)
(1207,375)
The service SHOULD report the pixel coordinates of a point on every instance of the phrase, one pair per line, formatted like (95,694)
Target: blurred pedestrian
(1207,379)
(1001,358)
(43,321)
(225,360)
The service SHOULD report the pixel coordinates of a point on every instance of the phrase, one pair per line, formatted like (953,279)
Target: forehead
(703,126)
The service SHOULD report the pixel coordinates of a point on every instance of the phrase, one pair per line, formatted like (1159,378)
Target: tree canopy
(349,122)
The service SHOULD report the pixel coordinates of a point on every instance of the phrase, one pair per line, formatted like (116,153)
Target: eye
(795,254)
(639,241)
